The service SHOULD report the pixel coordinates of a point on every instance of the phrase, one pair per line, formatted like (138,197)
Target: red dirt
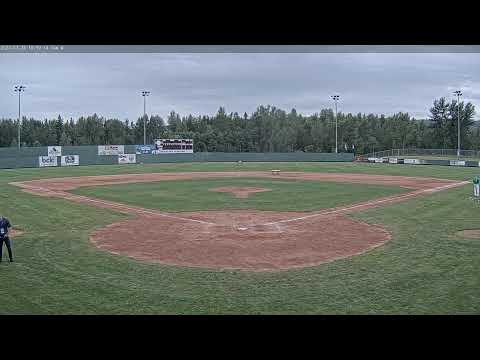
(14,232)
(471,233)
(70,183)
(239,192)
(225,245)
(246,240)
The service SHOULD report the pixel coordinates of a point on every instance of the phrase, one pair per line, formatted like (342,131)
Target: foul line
(112,205)
(375,202)
(118,206)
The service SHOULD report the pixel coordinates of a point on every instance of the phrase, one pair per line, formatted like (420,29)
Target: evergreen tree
(266,129)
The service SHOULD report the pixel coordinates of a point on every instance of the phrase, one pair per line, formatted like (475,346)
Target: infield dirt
(246,240)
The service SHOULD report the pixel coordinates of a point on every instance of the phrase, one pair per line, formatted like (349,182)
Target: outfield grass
(194,195)
(424,269)
(446,172)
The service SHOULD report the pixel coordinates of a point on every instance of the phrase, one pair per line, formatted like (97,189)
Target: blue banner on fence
(145,149)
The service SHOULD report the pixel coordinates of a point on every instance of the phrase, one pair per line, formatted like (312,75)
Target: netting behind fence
(425,152)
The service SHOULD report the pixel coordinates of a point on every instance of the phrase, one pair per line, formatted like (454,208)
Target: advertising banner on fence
(393,160)
(412,161)
(472,163)
(145,149)
(127,158)
(110,149)
(54,151)
(45,161)
(376,160)
(70,160)
(457,163)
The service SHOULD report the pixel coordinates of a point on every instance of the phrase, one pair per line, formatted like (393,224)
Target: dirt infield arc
(247,239)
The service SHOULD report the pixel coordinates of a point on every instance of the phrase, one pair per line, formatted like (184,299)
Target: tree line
(268,129)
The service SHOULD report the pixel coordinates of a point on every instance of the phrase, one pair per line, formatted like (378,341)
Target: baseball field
(228,238)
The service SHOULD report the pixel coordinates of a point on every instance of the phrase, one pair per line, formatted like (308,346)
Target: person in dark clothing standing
(4,227)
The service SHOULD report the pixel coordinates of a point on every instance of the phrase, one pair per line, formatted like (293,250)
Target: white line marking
(113,205)
(135,209)
(375,202)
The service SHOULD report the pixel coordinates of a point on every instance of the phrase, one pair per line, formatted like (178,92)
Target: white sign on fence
(45,161)
(393,160)
(110,149)
(54,151)
(375,160)
(412,161)
(127,158)
(457,163)
(70,160)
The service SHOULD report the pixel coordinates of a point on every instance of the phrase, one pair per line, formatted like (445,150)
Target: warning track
(246,240)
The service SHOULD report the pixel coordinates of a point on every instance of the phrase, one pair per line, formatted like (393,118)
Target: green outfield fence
(28,157)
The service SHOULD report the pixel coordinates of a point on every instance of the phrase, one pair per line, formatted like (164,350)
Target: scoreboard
(165,146)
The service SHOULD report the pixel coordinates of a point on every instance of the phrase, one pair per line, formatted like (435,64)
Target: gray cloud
(72,85)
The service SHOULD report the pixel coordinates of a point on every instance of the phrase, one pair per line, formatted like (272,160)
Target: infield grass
(195,195)
(424,269)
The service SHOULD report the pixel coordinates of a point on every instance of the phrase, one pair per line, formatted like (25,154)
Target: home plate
(242,228)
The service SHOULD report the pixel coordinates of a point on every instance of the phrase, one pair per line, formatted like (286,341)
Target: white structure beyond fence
(424,152)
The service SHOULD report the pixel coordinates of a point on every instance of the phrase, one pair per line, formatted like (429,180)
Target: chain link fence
(447,153)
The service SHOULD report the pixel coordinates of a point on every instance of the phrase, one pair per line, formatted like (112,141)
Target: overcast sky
(110,84)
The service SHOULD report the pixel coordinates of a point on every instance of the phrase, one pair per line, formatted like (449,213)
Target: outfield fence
(424,152)
(43,156)
(468,158)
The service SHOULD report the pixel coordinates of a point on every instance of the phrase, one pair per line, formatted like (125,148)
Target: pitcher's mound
(240,192)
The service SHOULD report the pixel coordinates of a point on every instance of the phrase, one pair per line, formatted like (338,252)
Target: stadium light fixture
(458,93)
(145,94)
(336,98)
(19,89)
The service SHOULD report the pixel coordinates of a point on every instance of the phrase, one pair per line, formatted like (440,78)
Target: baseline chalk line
(113,205)
(374,202)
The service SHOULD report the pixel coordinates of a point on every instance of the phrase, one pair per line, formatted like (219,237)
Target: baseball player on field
(476,186)
(4,226)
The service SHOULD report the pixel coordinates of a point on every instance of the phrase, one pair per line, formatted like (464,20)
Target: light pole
(442,113)
(19,89)
(145,94)
(458,93)
(336,98)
